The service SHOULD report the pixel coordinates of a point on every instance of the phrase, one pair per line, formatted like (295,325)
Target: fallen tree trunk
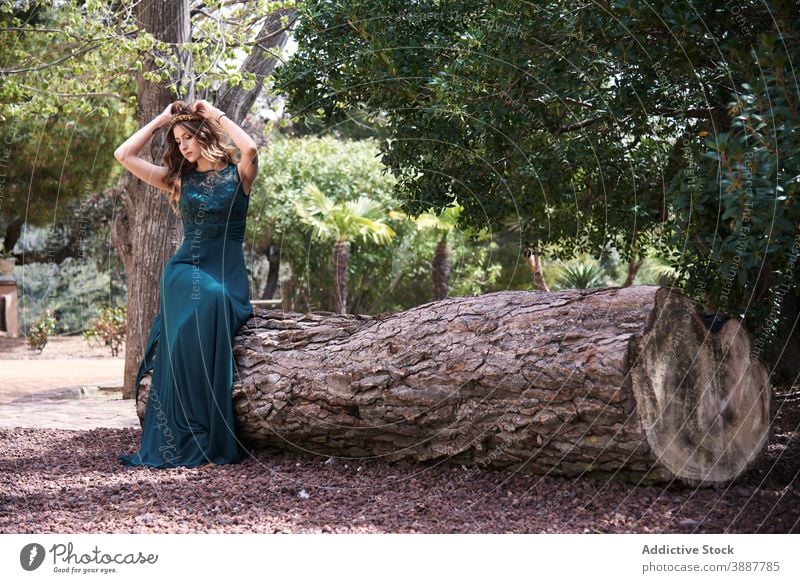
(619,382)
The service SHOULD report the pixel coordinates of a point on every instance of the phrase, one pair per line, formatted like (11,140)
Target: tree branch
(578,125)
(48,65)
(237,101)
(29,88)
(696,113)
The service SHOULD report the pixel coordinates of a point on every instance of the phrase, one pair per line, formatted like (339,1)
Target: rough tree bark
(341,261)
(618,382)
(441,269)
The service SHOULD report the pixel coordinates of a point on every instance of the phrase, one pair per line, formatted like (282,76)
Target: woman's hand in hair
(205,109)
(166,115)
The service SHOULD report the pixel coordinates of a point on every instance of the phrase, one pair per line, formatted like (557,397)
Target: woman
(205,294)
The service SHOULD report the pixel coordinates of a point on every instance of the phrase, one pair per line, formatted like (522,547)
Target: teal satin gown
(205,299)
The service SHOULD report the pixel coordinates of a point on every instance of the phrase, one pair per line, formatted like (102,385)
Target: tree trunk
(341,262)
(287,294)
(441,269)
(618,382)
(535,265)
(13,233)
(633,268)
(237,101)
(147,232)
(274,258)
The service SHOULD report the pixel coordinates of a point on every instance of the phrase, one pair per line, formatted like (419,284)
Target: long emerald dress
(205,299)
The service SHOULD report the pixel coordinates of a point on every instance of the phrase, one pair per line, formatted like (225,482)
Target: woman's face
(187,144)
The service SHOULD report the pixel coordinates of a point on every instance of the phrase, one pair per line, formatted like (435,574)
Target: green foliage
(40,331)
(69,92)
(54,117)
(741,213)
(442,222)
(666,124)
(405,274)
(74,58)
(342,169)
(477,88)
(71,290)
(654,271)
(108,328)
(344,221)
(389,277)
(581,275)
(76,151)
(78,268)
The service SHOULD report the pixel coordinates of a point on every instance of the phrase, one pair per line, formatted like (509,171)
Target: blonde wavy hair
(215,146)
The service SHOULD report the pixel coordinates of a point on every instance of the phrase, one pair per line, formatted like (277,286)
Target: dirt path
(25,378)
(70,385)
(57,347)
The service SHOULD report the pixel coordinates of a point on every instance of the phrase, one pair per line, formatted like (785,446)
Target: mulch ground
(57,481)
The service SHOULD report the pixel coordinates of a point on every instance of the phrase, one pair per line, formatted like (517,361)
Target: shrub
(73,289)
(108,328)
(40,330)
(581,275)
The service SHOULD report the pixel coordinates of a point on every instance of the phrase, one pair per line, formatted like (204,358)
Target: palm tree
(442,223)
(343,222)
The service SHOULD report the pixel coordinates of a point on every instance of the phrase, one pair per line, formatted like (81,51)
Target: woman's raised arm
(248,167)
(128,152)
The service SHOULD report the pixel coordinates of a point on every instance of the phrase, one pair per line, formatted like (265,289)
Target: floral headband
(185,117)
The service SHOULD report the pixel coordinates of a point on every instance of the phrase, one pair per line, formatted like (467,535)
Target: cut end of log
(704,400)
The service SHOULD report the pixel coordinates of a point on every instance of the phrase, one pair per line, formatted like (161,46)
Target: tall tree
(342,223)
(586,123)
(344,169)
(442,224)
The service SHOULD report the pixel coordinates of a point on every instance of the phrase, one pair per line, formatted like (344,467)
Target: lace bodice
(213,204)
